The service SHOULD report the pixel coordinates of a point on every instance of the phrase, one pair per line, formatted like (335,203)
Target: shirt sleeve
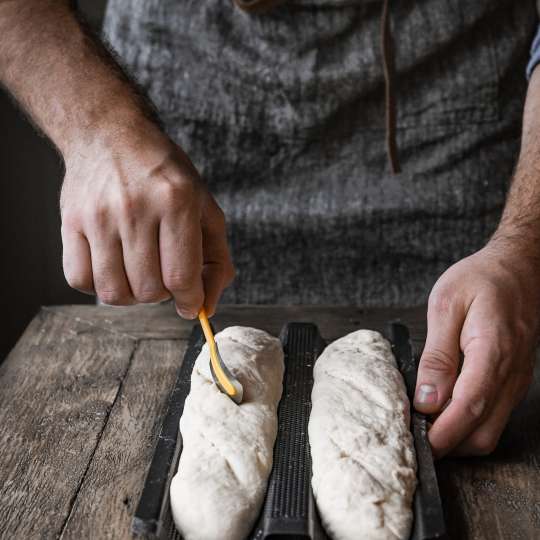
(534,59)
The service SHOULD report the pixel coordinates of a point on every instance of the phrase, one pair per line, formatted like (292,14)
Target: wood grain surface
(83,393)
(161,321)
(56,390)
(112,485)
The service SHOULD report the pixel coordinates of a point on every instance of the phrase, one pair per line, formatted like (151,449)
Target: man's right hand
(138,225)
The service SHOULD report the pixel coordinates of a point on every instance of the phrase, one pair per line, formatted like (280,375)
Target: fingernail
(186,314)
(426,393)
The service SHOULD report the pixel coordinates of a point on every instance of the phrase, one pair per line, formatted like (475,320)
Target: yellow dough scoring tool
(223,378)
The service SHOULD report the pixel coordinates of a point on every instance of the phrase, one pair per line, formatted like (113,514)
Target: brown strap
(390,98)
(258,6)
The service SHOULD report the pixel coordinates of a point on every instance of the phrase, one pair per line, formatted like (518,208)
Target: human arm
(138,224)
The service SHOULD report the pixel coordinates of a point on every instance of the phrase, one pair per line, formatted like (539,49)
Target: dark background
(30,179)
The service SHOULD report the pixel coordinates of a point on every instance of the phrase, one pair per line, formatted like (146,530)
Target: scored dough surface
(364,466)
(227,448)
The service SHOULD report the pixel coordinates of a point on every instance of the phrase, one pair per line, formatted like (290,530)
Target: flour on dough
(227,448)
(364,466)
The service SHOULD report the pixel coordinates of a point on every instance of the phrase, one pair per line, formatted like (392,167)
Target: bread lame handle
(223,378)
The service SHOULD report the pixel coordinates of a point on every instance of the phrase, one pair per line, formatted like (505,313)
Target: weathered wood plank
(112,485)
(143,321)
(161,321)
(56,388)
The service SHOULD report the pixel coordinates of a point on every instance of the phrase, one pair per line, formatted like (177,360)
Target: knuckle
(112,297)
(77,276)
(474,408)
(100,215)
(178,195)
(491,288)
(149,296)
(179,281)
(77,281)
(129,205)
(514,336)
(483,443)
(70,220)
(440,300)
(439,361)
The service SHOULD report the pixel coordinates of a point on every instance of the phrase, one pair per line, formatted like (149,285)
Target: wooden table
(83,393)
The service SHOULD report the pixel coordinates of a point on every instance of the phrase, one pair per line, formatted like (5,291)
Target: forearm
(63,78)
(520,222)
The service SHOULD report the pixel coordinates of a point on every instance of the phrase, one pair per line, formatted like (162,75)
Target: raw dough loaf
(227,448)
(364,467)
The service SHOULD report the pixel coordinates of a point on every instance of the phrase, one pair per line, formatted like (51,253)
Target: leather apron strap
(387,47)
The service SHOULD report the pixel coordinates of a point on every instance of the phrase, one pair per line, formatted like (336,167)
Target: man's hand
(485,309)
(138,225)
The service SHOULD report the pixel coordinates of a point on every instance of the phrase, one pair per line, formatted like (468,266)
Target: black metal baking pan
(428,513)
(153,517)
(289,510)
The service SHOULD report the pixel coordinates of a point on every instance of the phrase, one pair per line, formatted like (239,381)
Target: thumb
(439,363)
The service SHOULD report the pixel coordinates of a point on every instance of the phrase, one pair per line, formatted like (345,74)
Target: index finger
(180,251)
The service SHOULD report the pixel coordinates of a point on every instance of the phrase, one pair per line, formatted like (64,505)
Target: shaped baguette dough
(227,448)
(364,466)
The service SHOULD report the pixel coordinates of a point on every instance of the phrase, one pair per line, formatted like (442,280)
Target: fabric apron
(283,115)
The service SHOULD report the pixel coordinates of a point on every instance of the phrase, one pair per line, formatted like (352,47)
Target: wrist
(123,132)
(517,243)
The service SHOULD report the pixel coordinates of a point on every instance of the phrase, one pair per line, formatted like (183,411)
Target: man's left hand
(484,309)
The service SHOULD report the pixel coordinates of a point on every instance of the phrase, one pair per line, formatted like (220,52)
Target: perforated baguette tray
(289,510)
